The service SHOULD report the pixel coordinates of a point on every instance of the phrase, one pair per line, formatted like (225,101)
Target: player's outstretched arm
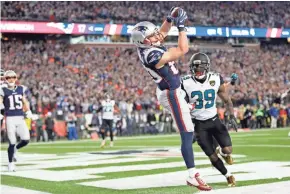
(174,53)
(167,24)
(223,94)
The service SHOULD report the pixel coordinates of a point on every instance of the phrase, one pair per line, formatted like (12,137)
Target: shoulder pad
(185,77)
(214,73)
(153,57)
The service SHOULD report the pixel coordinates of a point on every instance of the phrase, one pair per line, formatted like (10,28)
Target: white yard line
(13,190)
(269,188)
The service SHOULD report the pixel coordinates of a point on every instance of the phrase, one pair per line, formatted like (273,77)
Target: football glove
(233,122)
(180,20)
(169,17)
(29,115)
(234,78)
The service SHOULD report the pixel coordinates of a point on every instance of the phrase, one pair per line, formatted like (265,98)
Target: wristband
(181,29)
(169,19)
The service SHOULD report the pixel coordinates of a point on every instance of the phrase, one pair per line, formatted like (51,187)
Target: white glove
(29,114)
(1,117)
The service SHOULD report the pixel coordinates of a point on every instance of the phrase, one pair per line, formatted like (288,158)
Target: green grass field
(62,167)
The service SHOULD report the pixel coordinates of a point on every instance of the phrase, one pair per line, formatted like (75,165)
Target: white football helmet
(8,75)
(144,30)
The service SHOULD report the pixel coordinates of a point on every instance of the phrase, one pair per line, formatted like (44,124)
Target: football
(174,12)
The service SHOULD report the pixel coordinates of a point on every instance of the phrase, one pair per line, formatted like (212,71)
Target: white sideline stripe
(12,190)
(269,188)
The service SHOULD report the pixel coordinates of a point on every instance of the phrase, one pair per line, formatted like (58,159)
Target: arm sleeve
(153,58)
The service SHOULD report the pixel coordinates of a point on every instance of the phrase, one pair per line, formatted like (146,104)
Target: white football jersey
(108,109)
(204,95)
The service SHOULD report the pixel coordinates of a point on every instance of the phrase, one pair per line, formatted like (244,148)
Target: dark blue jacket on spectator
(274,112)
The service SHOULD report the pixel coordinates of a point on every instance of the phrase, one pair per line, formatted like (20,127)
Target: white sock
(228,174)
(192,172)
(221,153)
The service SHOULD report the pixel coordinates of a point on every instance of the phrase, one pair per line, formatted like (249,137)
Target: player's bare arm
(223,94)
(176,52)
(165,28)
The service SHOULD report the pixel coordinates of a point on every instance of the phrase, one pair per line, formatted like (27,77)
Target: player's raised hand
(178,16)
(234,78)
(181,18)
(233,122)
(170,15)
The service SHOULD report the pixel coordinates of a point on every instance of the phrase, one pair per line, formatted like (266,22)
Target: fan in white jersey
(107,107)
(14,101)
(202,89)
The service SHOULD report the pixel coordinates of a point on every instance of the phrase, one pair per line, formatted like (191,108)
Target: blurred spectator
(245,14)
(274,112)
(260,117)
(41,133)
(151,123)
(49,123)
(283,115)
(71,122)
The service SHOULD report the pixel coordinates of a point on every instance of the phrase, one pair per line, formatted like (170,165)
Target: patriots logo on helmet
(141,28)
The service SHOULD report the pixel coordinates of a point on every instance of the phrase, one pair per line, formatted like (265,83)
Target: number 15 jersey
(167,77)
(12,100)
(203,95)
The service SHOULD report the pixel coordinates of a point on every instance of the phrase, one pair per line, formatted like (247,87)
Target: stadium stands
(243,14)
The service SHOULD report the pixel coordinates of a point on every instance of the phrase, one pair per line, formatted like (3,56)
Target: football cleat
(231,181)
(228,159)
(197,182)
(11,167)
(103,144)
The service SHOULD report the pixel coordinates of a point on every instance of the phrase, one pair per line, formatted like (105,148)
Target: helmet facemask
(10,77)
(157,35)
(199,69)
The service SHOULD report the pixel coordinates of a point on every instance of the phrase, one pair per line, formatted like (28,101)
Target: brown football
(174,12)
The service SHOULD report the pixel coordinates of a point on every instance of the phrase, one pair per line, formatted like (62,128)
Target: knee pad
(227,150)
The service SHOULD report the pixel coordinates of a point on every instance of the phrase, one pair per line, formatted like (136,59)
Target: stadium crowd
(62,79)
(243,14)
